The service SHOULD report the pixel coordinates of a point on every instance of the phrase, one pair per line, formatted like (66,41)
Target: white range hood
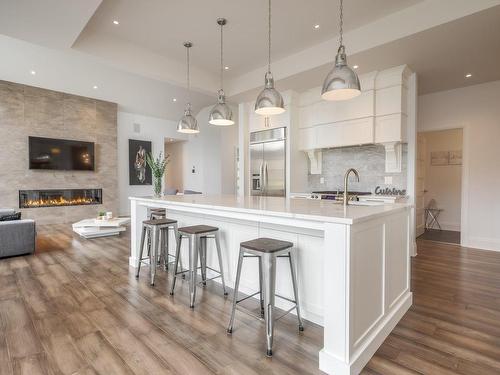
(378,116)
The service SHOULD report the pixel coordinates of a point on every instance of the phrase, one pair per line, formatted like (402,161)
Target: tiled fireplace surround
(30,111)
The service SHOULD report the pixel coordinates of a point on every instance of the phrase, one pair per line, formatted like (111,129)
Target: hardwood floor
(447,236)
(76,308)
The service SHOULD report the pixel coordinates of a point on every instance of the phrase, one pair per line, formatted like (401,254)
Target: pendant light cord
(269,39)
(341,24)
(221,58)
(188,81)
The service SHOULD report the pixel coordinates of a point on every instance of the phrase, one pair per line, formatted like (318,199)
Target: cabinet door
(258,122)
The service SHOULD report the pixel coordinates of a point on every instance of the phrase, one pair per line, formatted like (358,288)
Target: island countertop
(305,209)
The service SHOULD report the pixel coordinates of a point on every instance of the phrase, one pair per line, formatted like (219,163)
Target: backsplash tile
(368,160)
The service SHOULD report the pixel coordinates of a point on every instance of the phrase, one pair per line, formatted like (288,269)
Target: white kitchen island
(353,264)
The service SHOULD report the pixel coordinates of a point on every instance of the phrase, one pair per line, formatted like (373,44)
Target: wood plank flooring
(76,308)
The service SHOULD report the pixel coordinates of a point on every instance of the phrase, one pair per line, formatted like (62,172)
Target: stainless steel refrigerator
(267,162)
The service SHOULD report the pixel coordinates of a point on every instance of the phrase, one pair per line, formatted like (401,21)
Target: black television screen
(61,154)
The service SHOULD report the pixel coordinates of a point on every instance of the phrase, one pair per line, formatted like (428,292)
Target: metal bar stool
(198,235)
(157,232)
(156,213)
(267,250)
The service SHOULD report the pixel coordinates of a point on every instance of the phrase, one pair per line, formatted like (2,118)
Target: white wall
(443,183)
(476,109)
(211,153)
(151,129)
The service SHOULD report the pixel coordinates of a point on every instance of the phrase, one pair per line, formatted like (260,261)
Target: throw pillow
(11,217)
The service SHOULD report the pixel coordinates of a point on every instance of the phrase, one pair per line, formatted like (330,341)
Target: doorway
(439,185)
(174,179)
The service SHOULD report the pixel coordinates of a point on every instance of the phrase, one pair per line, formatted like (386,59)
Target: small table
(93,228)
(431,218)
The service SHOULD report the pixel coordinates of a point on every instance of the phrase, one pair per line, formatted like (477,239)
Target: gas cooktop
(334,194)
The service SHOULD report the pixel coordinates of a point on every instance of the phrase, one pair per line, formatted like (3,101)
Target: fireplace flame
(60,201)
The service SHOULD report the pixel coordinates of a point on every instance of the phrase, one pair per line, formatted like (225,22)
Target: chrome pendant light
(188,123)
(341,83)
(269,102)
(221,114)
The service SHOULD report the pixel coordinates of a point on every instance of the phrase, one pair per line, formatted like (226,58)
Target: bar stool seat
(266,245)
(156,231)
(198,229)
(159,222)
(267,251)
(198,236)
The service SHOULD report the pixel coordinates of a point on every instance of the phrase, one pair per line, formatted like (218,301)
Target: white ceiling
(162,26)
(441,56)
(51,23)
(140,63)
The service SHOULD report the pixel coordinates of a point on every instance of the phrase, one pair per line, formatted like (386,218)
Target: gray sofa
(16,237)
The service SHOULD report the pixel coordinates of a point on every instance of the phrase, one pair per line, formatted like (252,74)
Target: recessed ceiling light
(316,27)
(468,75)
(116,22)
(226,67)
(355,67)
(95,87)
(174,99)
(33,72)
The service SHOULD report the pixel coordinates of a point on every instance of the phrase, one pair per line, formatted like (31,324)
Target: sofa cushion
(11,217)
(6,211)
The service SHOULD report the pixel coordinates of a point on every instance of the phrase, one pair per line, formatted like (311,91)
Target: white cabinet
(378,115)
(391,128)
(257,122)
(307,139)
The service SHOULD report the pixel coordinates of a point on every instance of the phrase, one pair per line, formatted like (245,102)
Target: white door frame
(464,200)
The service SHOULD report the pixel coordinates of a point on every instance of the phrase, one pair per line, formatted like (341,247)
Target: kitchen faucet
(346,179)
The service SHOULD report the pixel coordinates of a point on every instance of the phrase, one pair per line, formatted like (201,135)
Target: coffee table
(93,228)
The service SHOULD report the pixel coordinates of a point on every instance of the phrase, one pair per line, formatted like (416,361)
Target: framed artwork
(455,157)
(139,172)
(439,158)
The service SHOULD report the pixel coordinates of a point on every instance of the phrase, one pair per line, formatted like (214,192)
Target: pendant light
(221,114)
(269,102)
(188,123)
(341,83)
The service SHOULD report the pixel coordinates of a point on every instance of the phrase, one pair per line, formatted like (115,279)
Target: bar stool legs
(221,268)
(269,288)
(193,266)
(176,263)
(291,258)
(236,287)
(141,249)
(152,254)
(198,236)
(157,233)
(267,256)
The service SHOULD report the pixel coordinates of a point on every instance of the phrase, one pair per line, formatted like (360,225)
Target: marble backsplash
(368,160)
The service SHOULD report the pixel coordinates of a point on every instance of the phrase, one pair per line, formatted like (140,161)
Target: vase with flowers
(157,166)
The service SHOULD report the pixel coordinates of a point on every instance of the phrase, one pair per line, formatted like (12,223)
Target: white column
(138,213)
(334,357)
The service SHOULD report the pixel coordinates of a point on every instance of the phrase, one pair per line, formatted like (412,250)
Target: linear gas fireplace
(59,197)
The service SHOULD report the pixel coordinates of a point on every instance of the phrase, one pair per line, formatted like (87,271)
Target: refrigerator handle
(265,176)
(261,176)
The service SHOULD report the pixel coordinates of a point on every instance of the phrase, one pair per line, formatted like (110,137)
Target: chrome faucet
(346,179)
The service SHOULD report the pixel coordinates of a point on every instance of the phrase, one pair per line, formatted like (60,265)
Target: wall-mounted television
(61,154)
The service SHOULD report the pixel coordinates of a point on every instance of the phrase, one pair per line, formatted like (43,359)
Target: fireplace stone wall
(27,110)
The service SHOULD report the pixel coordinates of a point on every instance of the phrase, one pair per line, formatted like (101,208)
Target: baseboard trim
(483,243)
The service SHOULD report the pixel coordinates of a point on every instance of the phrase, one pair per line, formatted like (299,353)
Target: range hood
(379,115)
